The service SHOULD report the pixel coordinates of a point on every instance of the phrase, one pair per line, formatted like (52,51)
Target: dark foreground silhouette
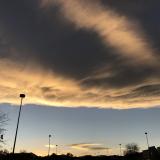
(152,154)
(31,156)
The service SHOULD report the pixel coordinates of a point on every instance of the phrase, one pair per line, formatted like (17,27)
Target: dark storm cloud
(44,37)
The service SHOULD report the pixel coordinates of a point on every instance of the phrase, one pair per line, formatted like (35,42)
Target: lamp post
(22,96)
(148,145)
(49,144)
(147,139)
(120,149)
(56,149)
(107,151)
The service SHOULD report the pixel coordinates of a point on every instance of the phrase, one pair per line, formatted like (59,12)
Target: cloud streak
(115,30)
(87,146)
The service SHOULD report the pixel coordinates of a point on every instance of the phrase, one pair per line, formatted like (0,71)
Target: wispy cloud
(87,146)
(51,146)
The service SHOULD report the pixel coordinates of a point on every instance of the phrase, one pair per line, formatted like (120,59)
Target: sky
(80,131)
(94,58)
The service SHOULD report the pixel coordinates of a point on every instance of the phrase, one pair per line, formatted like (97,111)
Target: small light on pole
(49,144)
(1,136)
(22,96)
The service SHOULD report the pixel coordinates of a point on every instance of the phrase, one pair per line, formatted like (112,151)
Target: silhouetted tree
(4,152)
(158,149)
(131,148)
(69,154)
(23,151)
(3,119)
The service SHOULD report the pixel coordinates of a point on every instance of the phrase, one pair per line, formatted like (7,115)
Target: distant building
(151,154)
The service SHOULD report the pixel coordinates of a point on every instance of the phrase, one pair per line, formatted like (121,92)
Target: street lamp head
(146,133)
(22,95)
(49,136)
(1,137)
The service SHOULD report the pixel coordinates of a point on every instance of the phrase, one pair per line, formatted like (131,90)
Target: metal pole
(147,139)
(120,149)
(56,149)
(49,145)
(21,96)
(148,145)
(107,151)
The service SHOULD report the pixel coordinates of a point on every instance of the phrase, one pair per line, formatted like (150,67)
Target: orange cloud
(47,88)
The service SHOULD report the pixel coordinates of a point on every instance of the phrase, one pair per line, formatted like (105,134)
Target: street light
(147,139)
(49,144)
(21,96)
(120,149)
(107,151)
(56,149)
(148,145)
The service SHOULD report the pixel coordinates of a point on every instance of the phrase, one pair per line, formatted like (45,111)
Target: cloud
(51,146)
(78,53)
(87,146)
(115,30)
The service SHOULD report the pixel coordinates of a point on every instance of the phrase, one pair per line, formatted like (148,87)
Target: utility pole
(56,149)
(49,144)
(147,139)
(120,149)
(148,145)
(22,96)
